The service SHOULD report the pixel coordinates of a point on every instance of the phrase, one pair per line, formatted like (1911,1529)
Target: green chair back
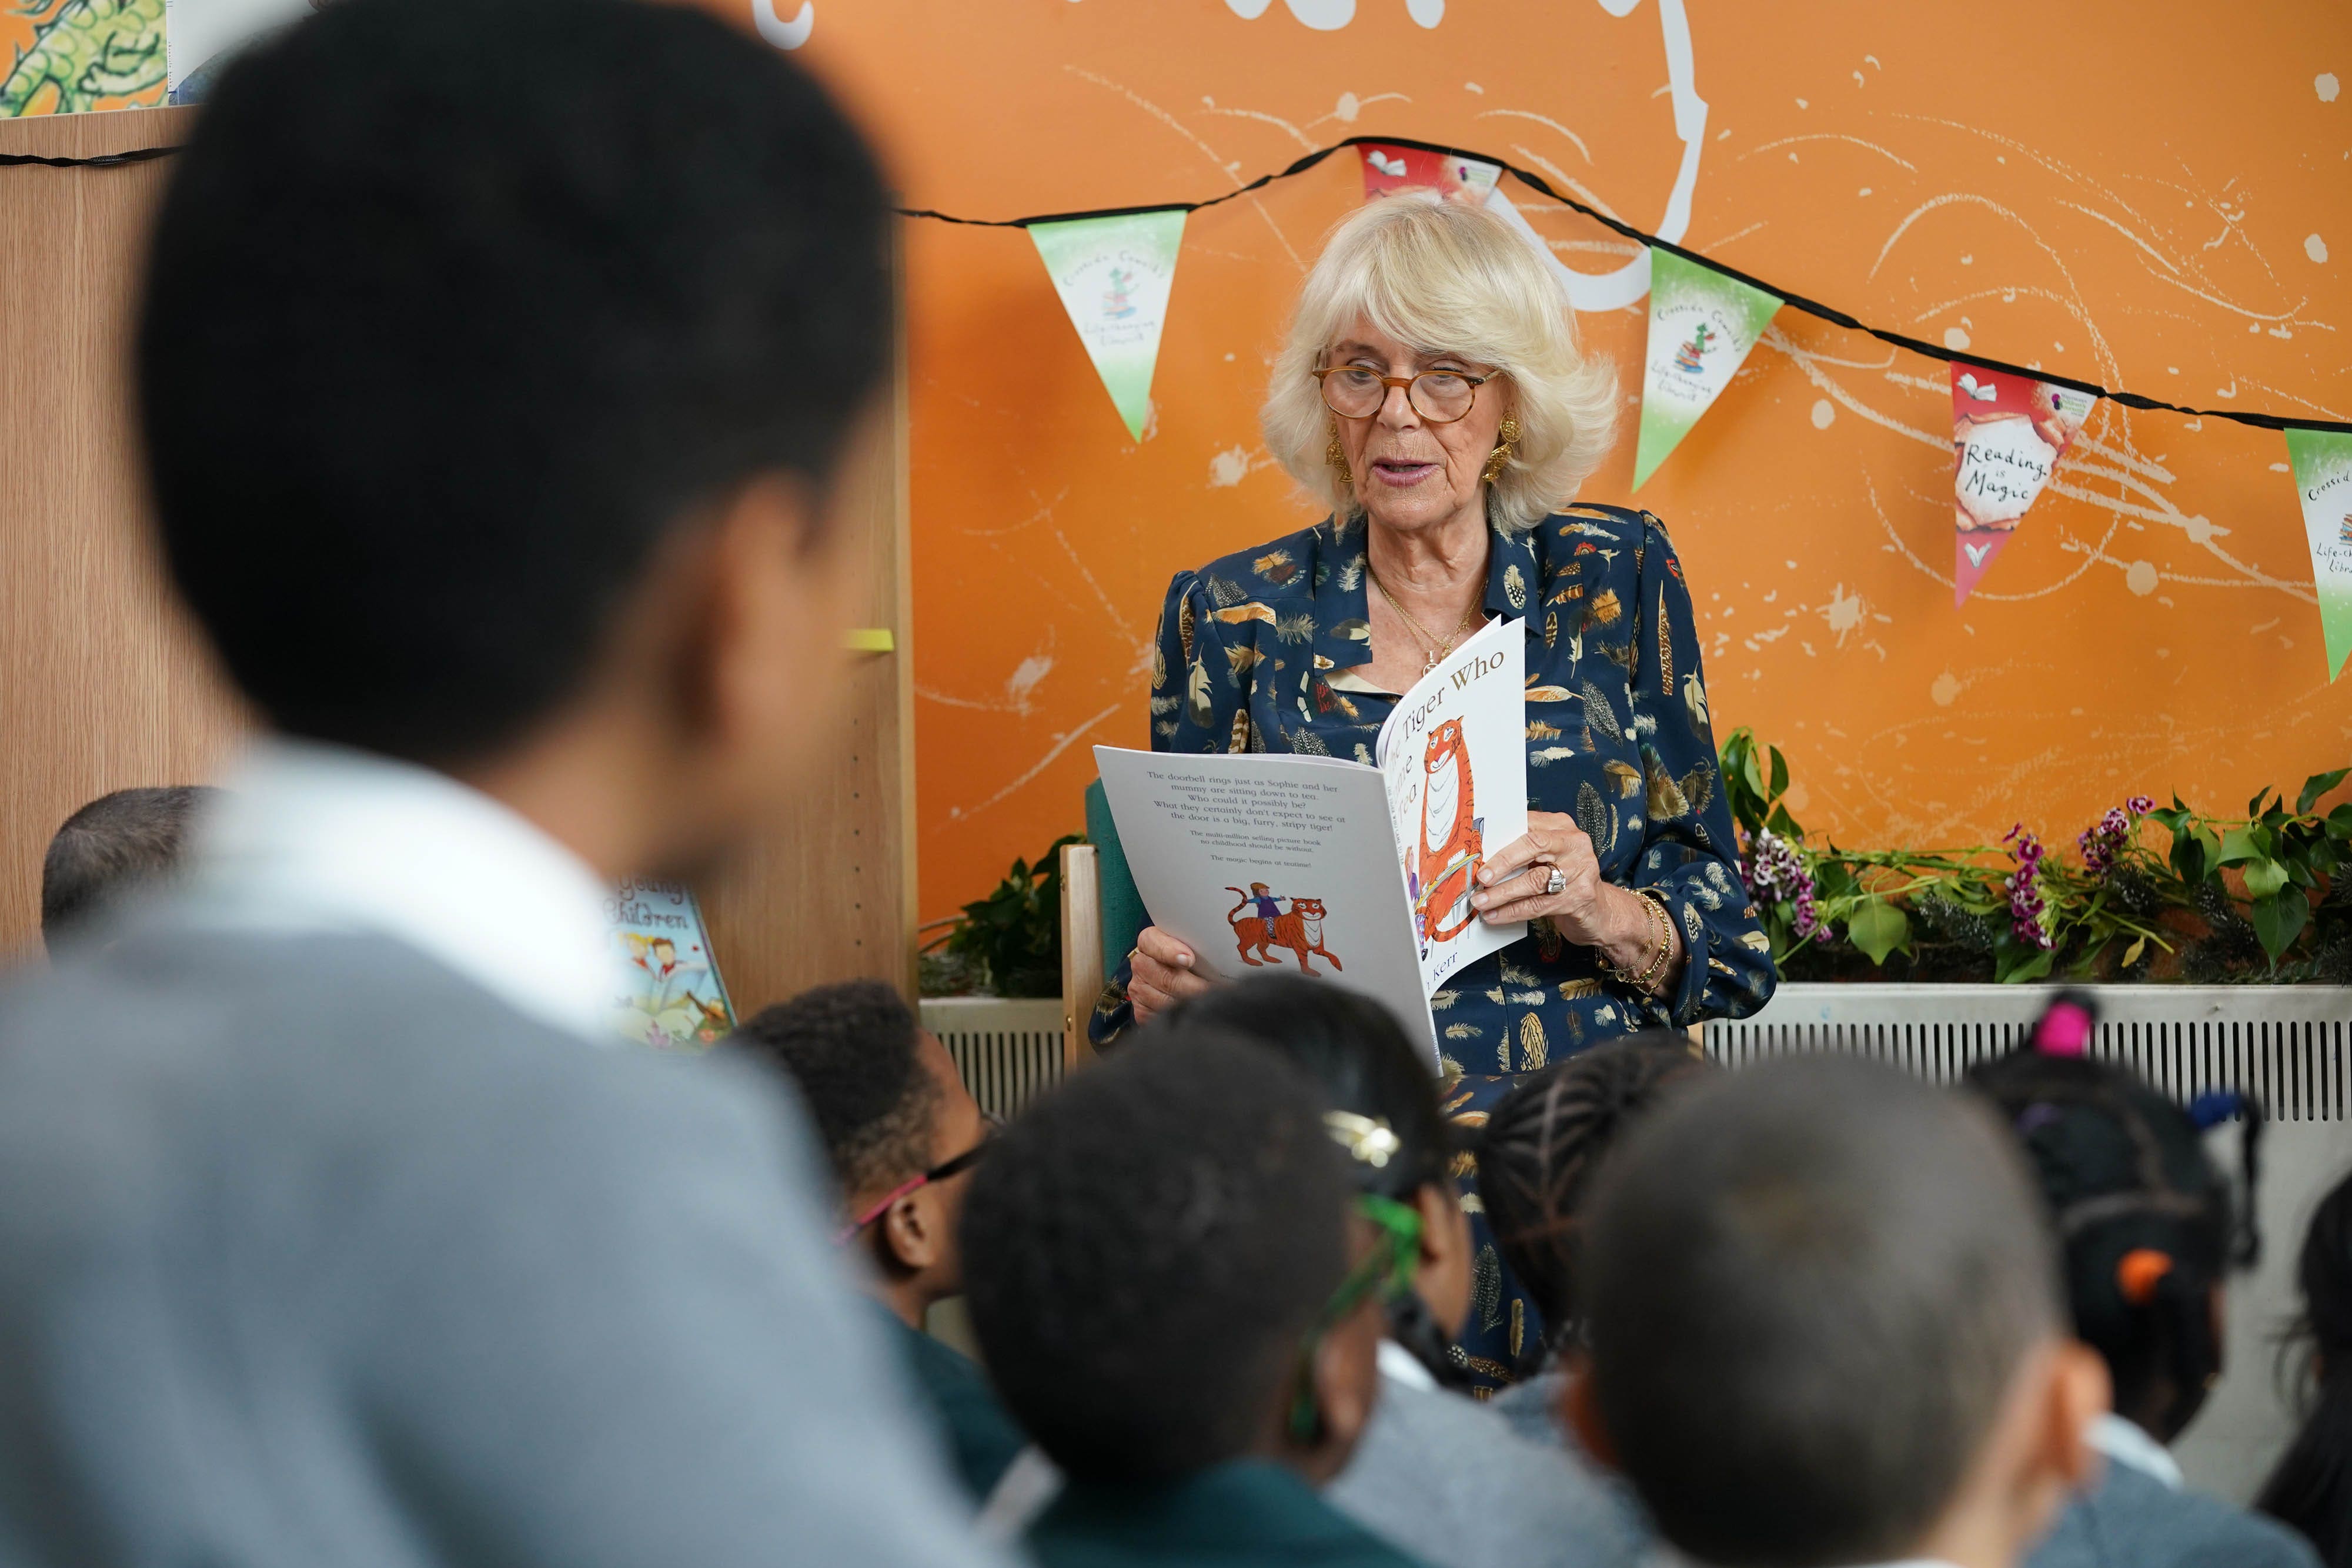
(1122,913)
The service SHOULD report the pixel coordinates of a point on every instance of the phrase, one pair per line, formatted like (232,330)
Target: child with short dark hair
(1825,1323)
(120,845)
(1172,1297)
(2150,1232)
(902,1133)
(1437,1472)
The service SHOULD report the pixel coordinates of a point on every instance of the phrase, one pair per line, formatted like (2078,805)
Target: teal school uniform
(1238,1515)
(982,1438)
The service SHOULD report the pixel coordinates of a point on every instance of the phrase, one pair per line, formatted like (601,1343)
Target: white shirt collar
(1398,1364)
(321,838)
(2125,1443)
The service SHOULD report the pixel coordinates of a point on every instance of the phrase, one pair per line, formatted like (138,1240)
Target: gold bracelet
(1663,927)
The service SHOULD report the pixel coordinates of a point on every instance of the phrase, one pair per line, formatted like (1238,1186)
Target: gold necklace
(1428,641)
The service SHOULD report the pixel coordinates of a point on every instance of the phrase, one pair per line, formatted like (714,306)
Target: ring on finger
(1556,883)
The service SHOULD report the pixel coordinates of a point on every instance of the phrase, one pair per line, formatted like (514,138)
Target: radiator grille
(1009,1052)
(2283,1045)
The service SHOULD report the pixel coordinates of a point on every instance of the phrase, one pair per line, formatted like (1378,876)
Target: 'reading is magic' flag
(1114,274)
(1702,325)
(2008,432)
(2322,461)
(1389,169)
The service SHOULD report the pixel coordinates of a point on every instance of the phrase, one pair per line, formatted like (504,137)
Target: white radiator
(2285,1045)
(1008,1049)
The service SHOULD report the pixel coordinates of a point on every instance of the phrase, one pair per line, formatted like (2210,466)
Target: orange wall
(2116,190)
(2127,192)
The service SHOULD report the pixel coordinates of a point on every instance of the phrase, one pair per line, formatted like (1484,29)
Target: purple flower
(2103,840)
(1775,873)
(2029,916)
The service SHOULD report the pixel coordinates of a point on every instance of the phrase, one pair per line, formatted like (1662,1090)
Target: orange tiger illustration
(1300,930)
(1453,845)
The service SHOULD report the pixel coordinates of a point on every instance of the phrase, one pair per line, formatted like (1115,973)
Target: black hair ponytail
(1359,1056)
(2148,1226)
(2311,1488)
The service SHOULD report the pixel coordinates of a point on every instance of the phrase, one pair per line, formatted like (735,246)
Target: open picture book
(1359,871)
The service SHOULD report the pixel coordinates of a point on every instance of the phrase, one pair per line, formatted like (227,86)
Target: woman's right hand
(1161,974)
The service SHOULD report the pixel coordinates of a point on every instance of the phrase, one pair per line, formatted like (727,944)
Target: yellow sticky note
(872,639)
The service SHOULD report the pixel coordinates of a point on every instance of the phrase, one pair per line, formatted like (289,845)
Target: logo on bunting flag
(1389,169)
(2008,432)
(2322,461)
(1702,325)
(1114,274)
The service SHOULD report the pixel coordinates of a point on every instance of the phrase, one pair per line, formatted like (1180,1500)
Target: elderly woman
(1431,394)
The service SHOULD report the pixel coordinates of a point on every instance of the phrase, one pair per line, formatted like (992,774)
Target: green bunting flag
(1702,325)
(1113,275)
(2322,461)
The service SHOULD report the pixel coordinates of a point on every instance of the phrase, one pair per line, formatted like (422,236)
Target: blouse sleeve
(1688,854)
(1197,695)
(1200,701)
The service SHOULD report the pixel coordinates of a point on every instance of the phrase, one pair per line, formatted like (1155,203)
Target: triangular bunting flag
(1702,325)
(1113,275)
(2322,461)
(1388,170)
(2007,433)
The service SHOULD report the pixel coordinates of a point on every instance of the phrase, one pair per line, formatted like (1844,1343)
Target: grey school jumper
(313,1252)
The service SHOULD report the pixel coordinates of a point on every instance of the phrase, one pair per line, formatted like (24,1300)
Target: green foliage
(1010,942)
(2250,898)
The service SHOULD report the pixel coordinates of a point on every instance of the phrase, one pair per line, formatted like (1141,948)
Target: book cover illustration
(668,993)
(1444,866)
(1455,754)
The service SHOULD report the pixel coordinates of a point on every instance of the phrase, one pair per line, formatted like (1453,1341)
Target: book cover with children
(668,993)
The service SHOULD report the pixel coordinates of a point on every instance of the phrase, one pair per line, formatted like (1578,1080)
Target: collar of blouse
(1343,630)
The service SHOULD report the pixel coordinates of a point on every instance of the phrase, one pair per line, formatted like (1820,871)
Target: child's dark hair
(2311,1488)
(112,849)
(1146,1249)
(850,1049)
(1537,1152)
(1353,1047)
(436,354)
(1810,1287)
(2146,1222)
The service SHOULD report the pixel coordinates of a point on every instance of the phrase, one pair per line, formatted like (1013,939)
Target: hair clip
(1367,1139)
(2140,1272)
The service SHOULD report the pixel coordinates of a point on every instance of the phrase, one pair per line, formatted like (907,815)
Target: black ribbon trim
(1542,187)
(102,161)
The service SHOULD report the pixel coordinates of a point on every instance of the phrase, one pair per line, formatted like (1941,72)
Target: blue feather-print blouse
(1617,738)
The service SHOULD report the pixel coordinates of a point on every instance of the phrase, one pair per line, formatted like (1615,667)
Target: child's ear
(909,1233)
(1346,1380)
(1581,1408)
(2080,1392)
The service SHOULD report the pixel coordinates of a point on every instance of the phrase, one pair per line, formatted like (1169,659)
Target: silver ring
(1556,883)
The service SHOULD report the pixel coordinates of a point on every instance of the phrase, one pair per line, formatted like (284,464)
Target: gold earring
(1500,458)
(1337,456)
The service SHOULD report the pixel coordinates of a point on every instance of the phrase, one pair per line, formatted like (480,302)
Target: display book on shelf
(1357,870)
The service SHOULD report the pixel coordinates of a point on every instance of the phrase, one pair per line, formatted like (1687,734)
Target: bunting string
(1542,187)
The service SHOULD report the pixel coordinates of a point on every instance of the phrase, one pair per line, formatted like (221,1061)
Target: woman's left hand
(1511,887)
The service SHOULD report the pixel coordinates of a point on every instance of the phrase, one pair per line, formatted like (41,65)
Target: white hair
(1447,277)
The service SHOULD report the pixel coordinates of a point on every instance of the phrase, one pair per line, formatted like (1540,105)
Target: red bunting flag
(1388,170)
(2007,433)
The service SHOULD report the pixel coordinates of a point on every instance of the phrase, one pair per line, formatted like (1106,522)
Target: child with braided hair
(2150,1231)
(1436,1471)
